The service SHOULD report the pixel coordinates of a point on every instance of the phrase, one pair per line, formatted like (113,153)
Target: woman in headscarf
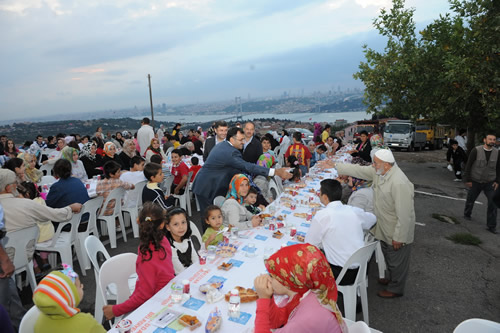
(77,167)
(127,153)
(234,210)
(110,153)
(32,174)
(262,182)
(302,272)
(91,161)
(154,149)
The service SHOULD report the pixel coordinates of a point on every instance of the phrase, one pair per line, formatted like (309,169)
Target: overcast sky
(61,56)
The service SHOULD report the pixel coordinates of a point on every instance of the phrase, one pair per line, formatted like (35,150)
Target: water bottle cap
(235,292)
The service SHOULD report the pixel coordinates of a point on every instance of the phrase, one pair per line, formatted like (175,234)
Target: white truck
(402,134)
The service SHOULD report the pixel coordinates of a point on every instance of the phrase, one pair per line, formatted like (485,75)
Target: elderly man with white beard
(395,212)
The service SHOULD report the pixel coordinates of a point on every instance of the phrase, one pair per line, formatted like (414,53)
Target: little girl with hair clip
(184,244)
(292,162)
(213,217)
(154,262)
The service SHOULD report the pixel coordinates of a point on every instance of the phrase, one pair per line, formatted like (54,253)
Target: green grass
(464,238)
(446,219)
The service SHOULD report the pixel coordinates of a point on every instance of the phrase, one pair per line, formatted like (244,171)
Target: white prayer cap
(385,155)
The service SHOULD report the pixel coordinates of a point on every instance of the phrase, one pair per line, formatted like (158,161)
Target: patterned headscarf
(57,296)
(86,151)
(154,150)
(377,141)
(266,160)
(234,187)
(129,148)
(107,147)
(67,153)
(33,174)
(303,267)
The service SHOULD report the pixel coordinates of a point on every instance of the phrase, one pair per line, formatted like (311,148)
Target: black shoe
(492,230)
(468,218)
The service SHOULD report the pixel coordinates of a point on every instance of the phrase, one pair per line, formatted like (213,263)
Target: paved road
(448,283)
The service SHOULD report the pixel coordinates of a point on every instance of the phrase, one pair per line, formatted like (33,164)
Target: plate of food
(278,234)
(314,205)
(206,286)
(190,321)
(247,295)
(300,236)
(225,266)
(265,215)
(214,321)
(300,215)
(226,250)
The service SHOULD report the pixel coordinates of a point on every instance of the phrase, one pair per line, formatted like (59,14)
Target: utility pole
(151,102)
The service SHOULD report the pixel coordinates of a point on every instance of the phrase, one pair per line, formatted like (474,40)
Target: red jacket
(153,275)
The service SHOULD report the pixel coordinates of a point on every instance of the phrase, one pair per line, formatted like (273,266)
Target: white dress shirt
(338,229)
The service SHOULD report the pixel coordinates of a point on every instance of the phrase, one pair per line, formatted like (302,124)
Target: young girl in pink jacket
(154,264)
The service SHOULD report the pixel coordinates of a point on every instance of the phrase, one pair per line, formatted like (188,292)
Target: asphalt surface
(448,283)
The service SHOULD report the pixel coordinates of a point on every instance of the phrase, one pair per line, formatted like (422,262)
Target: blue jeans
(489,192)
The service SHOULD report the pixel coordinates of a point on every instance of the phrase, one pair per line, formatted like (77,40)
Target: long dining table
(253,247)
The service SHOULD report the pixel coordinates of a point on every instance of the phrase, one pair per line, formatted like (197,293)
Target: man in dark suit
(220,135)
(224,162)
(252,148)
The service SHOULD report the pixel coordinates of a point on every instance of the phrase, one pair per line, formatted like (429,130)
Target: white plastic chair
(476,325)
(273,189)
(379,255)
(359,327)
(47,168)
(169,150)
(108,224)
(219,201)
(117,270)
(133,212)
(29,320)
(185,198)
(93,247)
(19,240)
(47,180)
(196,232)
(350,292)
(278,180)
(91,207)
(167,183)
(62,242)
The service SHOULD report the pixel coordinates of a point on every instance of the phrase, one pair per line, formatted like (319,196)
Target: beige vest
(483,171)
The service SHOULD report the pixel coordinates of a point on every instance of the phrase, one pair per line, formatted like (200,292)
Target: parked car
(307,135)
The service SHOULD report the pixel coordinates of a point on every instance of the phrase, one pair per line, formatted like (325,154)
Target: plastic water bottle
(234,304)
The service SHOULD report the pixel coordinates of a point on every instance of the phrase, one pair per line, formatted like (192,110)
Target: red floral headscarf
(234,187)
(303,267)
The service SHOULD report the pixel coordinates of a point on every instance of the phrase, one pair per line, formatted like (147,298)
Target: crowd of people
(371,192)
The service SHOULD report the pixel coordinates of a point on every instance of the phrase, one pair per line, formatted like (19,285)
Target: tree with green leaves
(449,73)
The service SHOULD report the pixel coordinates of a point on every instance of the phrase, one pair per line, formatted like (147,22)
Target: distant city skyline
(78,56)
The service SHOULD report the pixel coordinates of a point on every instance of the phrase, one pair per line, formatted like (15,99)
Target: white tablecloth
(243,276)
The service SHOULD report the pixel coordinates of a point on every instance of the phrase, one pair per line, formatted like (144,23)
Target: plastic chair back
(167,184)
(92,207)
(19,240)
(117,270)
(273,189)
(477,325)
(219,201)
(359,327)
(29,320)
(47,169)
(93,246)
(116,195)
(349,292)
(47,180)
